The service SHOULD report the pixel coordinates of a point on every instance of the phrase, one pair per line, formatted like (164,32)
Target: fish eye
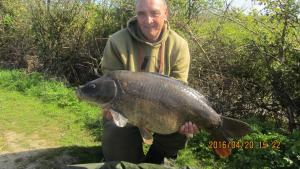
(92,85)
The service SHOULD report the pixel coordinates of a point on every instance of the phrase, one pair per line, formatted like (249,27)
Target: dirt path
(31,152)
(18,142)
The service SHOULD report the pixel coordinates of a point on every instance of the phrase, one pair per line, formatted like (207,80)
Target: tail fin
(234,128)
(230,128)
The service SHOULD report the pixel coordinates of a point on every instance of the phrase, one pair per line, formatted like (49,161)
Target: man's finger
(195,128)
(184,127)
(181,130)
(190,127)
(107,114)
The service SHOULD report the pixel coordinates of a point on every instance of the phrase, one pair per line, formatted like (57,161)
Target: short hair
(164,2)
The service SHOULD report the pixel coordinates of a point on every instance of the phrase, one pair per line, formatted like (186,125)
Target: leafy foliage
(265,147)
(46,89)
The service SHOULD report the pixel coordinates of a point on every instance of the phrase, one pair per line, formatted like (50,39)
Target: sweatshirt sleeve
(111,59)
(180,69)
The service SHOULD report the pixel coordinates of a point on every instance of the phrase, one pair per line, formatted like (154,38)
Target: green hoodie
(127,48)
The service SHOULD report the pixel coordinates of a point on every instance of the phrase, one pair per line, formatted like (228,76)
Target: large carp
(159,104)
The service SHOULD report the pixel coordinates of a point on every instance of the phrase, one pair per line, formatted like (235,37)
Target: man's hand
(189,129)
(107,114)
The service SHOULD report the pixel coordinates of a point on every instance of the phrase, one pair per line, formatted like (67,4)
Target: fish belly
(150,115)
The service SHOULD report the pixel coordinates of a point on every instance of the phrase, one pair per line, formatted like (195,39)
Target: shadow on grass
(95,126)
(54,158)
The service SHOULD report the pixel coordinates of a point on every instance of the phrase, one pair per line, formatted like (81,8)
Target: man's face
(151,16)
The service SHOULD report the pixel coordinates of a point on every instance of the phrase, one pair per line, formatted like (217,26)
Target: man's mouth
(150,27)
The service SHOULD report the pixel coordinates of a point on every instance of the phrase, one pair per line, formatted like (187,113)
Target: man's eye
(141,14)
(155,14)
(93,86)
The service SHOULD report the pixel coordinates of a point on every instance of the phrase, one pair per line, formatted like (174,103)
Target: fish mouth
(82,97)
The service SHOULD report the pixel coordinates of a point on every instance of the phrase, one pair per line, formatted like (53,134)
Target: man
(147,44)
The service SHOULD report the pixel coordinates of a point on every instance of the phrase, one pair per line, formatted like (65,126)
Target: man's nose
(149,19)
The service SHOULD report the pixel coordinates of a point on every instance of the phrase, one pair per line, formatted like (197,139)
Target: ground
(38,135)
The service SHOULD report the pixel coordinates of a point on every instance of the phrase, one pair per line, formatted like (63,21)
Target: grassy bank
(43,124)
(33,117)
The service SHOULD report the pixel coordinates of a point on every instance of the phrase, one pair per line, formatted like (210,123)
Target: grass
(38,109)
(30,116)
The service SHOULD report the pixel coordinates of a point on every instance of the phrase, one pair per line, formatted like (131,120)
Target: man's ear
(166,13)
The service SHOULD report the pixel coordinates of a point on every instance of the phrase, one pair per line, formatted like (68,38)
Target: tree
(277,45)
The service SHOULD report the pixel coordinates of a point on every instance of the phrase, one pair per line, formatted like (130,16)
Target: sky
(246,5)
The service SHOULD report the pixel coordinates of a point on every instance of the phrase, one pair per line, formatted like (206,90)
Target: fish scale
(160,104)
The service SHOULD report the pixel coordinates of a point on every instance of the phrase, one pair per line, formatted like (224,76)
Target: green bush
(35,84)
(18,80)
(271,149)
(187,158)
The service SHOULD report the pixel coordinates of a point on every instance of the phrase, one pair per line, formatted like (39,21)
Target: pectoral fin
(146,135)
(119,120)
